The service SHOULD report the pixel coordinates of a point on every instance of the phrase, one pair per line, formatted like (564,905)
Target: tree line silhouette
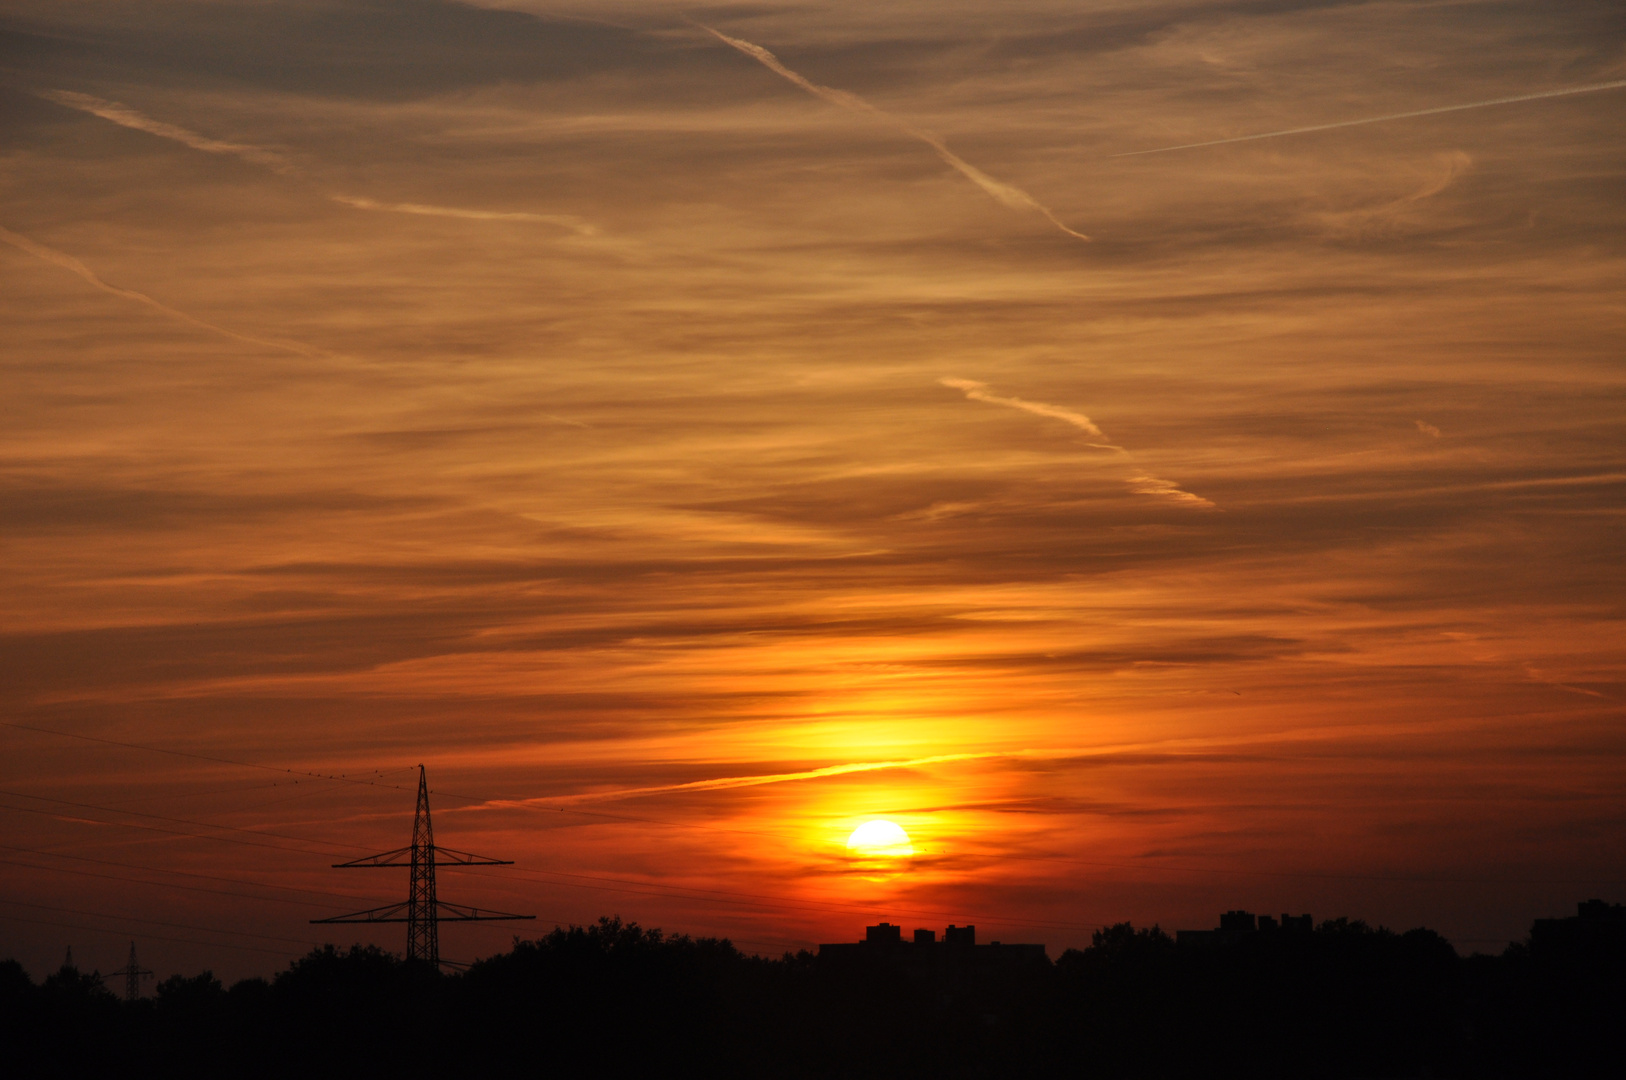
(1341,1000)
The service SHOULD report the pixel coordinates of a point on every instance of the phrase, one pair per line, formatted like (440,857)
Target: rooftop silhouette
(1236,925)
(925,955)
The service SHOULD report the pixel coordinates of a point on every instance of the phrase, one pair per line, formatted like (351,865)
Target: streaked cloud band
(1005,194)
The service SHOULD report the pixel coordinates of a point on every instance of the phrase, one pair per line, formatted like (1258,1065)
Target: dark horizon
(1272,999)
(1225,932)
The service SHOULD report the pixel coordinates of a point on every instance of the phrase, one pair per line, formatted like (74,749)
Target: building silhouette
(958,950)
(1596,931)
(1236,925)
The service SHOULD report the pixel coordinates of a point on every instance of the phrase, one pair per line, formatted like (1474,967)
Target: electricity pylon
(423,912)
(133,974)
(69,968)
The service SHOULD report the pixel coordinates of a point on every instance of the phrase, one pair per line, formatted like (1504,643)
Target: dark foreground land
(1342,1000)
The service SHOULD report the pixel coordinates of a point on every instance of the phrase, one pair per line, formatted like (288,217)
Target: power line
(609,884)
(770,902)
(617,884)
(647,890)
(169,832)
(319,776)
(164,817)
(214,791)
(169,885)
(184,873)
(133,973)
(172,884)
(423,911)
(249,896)
(530,806)
(688,893)
(156,937)
(155,922)
(341,778)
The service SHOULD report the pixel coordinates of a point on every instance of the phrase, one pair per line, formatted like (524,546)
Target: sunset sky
(694,430)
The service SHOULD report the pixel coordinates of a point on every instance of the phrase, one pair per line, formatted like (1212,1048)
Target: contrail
(274,160)
(125,116)
(1142,484)
(1381,119)
(568,221)
(1006,194)
(725,782)
(74,266)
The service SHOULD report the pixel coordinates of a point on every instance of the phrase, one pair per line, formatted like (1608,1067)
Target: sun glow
(880,839)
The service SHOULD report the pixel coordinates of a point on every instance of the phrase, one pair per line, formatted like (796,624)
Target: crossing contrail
(1006,194)
(74,266)
(1381,119)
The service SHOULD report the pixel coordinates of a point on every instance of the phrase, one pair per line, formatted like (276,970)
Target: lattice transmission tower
(133,974)
(423,912)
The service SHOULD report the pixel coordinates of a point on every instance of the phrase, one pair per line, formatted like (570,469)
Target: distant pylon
(133,974)
(423,912)
(69,966)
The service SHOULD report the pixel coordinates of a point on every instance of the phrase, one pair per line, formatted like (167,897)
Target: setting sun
(880,839)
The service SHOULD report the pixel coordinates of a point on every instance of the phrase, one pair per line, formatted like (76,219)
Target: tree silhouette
(1345,999)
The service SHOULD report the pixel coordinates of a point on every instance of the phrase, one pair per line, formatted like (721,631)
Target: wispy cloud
(978,391)
(276,161)
(1166,489)
(1006,194)
(1141,484)
(1397,214)
(1427,429)
(74,266)
(1566,92)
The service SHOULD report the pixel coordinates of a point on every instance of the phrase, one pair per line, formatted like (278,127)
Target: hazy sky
(628,409)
